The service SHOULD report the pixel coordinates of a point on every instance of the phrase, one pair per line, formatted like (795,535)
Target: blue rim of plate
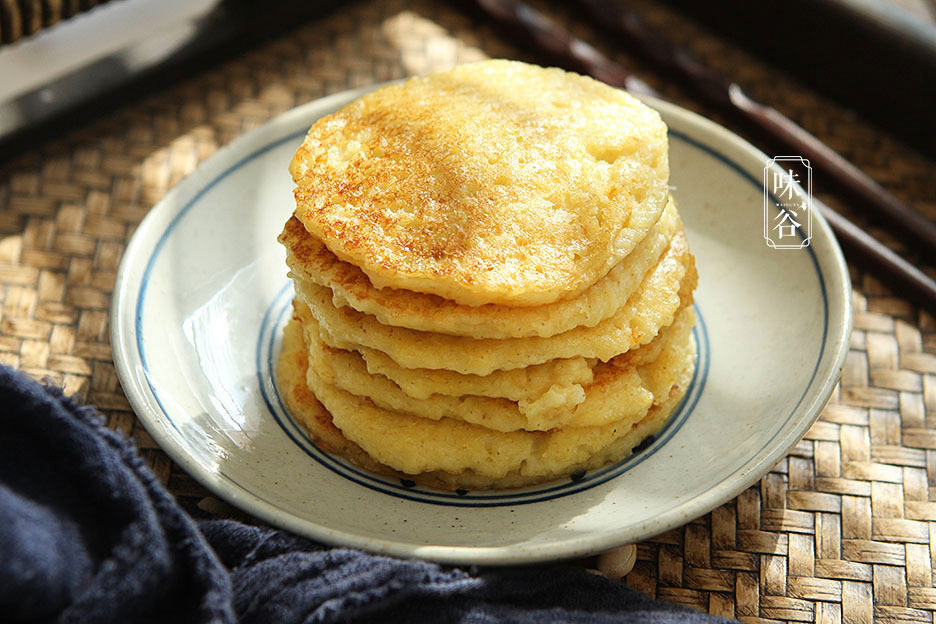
(274,318)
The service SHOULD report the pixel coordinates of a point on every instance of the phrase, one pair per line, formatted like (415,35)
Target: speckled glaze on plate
(202,295)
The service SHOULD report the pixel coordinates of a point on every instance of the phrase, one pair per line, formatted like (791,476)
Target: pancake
(310,260)
(617,391)
(667,286)
(495,182)
(453,454)
(527,384)
(291,369)
(550,387)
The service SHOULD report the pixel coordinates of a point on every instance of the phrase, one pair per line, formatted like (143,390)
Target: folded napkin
(87,534)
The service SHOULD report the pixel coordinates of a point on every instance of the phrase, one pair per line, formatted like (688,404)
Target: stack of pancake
(493,285)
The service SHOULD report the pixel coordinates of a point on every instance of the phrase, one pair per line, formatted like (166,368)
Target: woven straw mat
(842,530)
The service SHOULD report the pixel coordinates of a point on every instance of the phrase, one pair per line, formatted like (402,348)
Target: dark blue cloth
(87,534)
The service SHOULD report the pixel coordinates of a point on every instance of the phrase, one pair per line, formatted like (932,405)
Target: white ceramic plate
(202,295)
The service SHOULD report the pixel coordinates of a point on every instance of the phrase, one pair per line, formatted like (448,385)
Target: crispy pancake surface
(617,392)
(310,260)
(495,182)
(451,453)
(665,288)
(527,384)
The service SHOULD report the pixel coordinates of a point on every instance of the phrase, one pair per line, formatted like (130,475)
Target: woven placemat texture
(842,530)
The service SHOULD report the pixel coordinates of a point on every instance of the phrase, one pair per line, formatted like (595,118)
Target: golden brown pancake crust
(310,260)
(495,182)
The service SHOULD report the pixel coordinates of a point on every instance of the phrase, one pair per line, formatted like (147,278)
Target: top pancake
(309,260)
(495,182)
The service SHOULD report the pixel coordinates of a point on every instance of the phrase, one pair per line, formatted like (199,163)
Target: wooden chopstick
(557,46)
(897,274)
